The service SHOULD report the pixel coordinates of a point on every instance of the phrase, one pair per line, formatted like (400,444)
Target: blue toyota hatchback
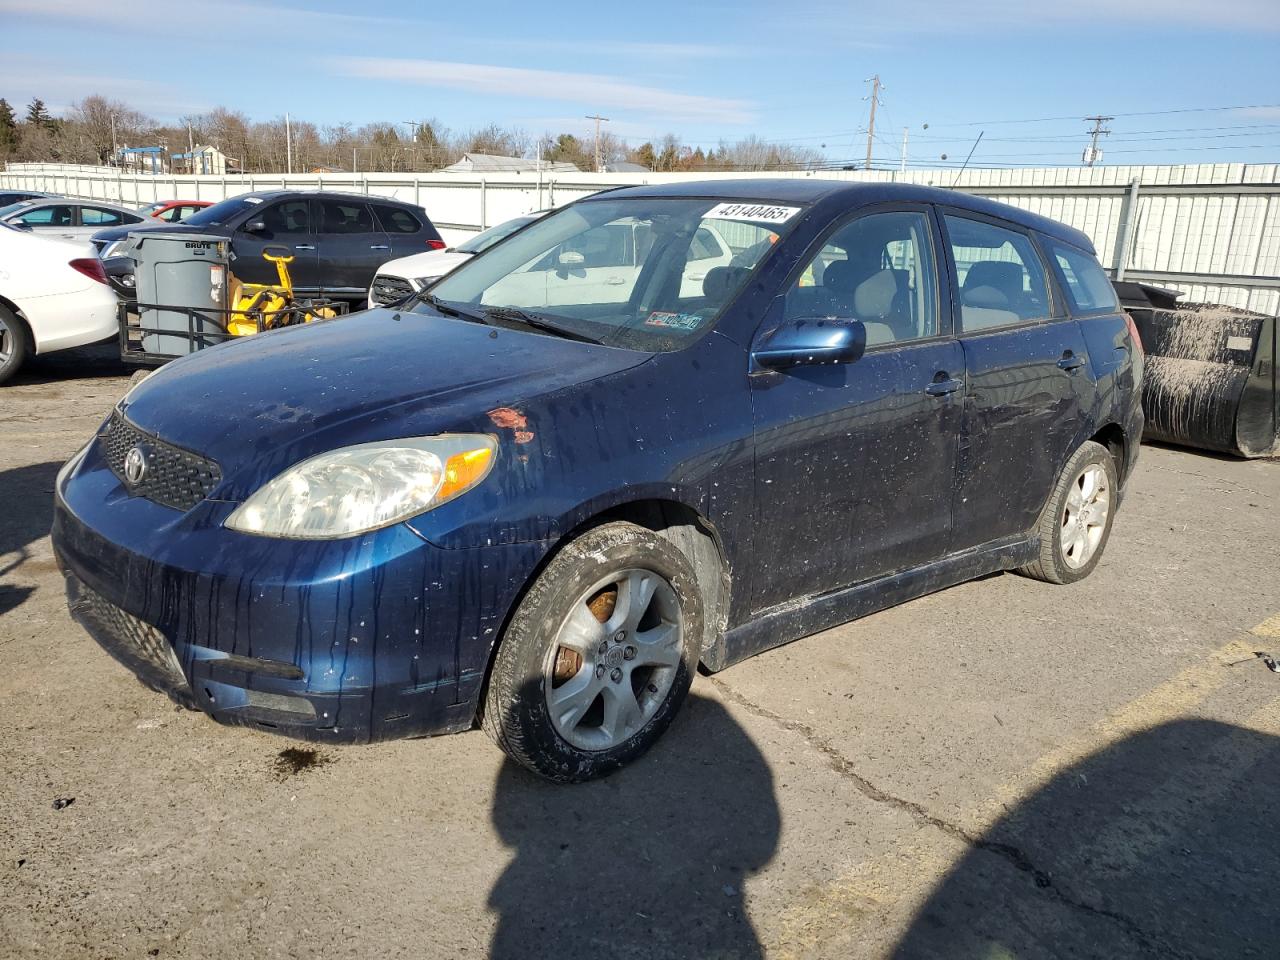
(662,428)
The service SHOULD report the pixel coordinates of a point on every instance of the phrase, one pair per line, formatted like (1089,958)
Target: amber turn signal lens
(462,471)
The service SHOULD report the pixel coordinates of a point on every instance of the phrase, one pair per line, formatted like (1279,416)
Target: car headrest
(874,296)
(841,276)
(720,282)
(1001,274)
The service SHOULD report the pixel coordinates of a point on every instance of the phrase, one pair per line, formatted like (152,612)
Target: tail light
(91,267)
(1133,333)
(435,244)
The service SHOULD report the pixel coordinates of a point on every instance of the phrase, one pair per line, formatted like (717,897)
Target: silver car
(69,219)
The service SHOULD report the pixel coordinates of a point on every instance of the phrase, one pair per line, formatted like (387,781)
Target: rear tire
(15,344)
(1076,522)
(598,657)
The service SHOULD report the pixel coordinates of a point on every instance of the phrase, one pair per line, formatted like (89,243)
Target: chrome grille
(174,477)
(389,290)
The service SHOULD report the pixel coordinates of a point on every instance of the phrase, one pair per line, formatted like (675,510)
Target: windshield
(649,273)
(221,213)
(15,207)
(483,241)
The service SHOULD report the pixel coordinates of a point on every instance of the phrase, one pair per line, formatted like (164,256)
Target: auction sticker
(673,321)
(759,212)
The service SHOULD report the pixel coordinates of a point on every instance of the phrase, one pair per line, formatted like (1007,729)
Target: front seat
(995,283)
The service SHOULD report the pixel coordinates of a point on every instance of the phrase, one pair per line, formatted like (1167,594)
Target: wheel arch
(1113,437)
(687,529)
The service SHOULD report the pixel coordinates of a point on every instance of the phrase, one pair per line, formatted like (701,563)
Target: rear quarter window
(397,219)
(1088,287)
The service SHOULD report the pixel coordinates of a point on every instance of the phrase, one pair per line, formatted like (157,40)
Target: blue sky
(704,70)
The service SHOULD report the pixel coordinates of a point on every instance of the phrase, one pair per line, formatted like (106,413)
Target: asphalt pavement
(1004,769)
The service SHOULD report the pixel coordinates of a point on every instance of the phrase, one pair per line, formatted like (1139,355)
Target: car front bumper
(370,638)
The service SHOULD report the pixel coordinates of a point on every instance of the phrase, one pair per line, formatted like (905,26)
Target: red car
(173,211)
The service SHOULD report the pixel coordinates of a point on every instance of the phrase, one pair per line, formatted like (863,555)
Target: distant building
(142,160)
(625,166)
(203,160)
(488,163)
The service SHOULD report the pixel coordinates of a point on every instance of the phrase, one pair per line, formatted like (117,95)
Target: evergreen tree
(38,114)
(8,129)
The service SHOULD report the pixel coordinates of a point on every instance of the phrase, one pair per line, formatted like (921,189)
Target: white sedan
(53,296)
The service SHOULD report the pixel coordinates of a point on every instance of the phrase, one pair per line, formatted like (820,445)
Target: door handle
(940,388)
(303,246)
(1070,362)
(379,246)
(616,281)
(697,276)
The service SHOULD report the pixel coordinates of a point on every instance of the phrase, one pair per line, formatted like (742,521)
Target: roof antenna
(968,158)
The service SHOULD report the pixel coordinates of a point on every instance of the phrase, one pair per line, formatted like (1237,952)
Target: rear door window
(1087,285)
(98,217)
(345,216)
(1000,276)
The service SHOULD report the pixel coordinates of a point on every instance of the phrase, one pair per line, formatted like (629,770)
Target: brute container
(187,273)
(1210,379)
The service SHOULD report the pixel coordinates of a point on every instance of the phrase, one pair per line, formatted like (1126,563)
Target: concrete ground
(1006,769)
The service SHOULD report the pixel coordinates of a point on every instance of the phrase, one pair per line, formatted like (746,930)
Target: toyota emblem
(135,466)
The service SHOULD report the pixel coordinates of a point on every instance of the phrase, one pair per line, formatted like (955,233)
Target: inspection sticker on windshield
(673,321)
(761,212)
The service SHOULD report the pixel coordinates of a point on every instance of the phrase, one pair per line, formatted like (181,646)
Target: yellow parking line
(1176,697)
(896,882)
(1269,628)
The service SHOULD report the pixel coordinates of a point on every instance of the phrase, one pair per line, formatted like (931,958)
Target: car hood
(433,263)
(262,403)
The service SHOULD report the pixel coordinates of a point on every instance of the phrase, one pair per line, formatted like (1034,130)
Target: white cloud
(23,77)
(1013,16)
(168,16)
(594,91)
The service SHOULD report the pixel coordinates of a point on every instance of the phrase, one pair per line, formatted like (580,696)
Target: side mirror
(570,258)
(255,226)
(810,341)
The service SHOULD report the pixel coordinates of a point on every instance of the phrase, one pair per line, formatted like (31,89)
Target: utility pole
(288,145)
(904,149)
(598,119)
(1091,153)
(115,150)
(876,87)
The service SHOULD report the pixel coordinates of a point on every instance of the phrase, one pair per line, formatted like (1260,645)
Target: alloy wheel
(1084,516)
(614,659)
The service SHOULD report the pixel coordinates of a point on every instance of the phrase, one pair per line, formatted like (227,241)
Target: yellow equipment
(262,306)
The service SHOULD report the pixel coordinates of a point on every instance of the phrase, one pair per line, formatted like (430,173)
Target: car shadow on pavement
(79,363)
(648,863)
(27,496)
(1166,844)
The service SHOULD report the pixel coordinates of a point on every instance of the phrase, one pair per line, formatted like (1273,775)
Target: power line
(1143,113)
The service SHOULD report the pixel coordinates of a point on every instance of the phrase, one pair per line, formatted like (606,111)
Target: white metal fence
(1211,230)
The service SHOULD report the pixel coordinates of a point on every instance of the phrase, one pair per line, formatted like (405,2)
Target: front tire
(1076,521)
(15,344)
(598,657)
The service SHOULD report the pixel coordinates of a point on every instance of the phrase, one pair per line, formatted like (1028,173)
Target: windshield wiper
(440,306)
(538,323)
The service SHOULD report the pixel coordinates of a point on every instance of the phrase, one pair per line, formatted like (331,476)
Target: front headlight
(361,488)
(424,282)
(113,249)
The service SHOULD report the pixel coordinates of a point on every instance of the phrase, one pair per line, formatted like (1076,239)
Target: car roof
(854,194)
(326,194)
